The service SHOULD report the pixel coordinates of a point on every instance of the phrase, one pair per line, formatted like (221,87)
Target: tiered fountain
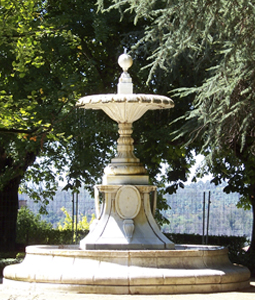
(125,251)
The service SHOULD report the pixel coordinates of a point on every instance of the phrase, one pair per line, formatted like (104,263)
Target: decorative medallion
(128,202)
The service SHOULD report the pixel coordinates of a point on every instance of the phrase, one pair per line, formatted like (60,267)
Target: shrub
(31,229)
(82,227)
(9,259)
(83,224)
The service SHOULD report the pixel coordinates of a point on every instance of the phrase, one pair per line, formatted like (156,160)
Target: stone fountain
(126,222)
(125,251)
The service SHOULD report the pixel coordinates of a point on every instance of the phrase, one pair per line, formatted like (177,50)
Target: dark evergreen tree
(218,38)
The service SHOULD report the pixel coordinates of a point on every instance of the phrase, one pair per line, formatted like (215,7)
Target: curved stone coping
(189,269)
(126,98)
(180,250)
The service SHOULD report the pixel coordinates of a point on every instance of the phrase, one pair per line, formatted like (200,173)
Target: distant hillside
(63,199)
(185,215)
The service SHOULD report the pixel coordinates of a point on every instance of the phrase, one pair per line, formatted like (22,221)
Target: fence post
(208,215)
(203,236)
(76,221)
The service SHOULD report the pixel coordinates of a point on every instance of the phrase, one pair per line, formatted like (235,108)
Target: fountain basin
(187,269)
(125,108)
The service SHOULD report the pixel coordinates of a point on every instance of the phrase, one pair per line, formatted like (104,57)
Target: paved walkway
(247,294)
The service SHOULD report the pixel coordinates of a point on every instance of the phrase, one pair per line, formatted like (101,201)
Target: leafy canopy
(37,82)
(217,38)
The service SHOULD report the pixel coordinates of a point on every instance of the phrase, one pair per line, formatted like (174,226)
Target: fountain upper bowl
(125,108)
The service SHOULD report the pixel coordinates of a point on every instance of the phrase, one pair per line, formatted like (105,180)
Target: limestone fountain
(125,251)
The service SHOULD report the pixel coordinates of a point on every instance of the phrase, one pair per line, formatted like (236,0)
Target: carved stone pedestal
(125,220)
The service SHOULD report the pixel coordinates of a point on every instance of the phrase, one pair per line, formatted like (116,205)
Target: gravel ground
(247,294)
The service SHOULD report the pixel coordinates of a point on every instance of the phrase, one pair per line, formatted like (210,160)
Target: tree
(36,93)
(49,58)
(218,37)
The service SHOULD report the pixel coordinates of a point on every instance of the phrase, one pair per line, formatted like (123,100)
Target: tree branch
(13,130)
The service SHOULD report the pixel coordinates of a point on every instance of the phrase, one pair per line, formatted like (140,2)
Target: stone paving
(247,294)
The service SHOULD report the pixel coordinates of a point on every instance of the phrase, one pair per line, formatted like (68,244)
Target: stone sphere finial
(125,61)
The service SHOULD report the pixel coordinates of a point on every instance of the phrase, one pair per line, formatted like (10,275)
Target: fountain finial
(125,61)
(125,85)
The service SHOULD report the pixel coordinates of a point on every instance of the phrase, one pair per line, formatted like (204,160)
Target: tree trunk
(8,215)
(252,246)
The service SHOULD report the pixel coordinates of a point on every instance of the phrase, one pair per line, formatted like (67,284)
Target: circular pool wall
(187,269)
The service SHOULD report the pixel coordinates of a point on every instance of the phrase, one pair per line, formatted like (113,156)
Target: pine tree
(217,39)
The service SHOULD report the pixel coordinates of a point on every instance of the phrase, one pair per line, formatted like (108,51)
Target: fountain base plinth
(125,221)
(125,179)
(187,269)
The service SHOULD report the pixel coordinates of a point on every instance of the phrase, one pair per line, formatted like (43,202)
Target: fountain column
(125,168)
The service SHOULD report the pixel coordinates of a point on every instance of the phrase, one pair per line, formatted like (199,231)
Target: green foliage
(8,261)
(38,86)
(69,225)
(68,222)
(235,243)
(246,259)
(31,229)
(217,39)
(82,224)
(64,237)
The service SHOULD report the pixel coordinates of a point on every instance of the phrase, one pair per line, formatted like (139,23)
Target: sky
(199,160)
